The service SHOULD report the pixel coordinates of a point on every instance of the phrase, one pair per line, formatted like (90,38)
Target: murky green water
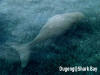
(20,22)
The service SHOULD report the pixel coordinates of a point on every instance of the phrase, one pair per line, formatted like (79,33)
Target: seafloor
(20,22)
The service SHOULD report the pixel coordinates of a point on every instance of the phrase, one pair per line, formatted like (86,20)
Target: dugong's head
(77,16)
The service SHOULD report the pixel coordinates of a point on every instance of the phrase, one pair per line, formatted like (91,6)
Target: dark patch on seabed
(20,22)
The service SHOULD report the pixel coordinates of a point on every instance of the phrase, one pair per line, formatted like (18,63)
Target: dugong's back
(58,24)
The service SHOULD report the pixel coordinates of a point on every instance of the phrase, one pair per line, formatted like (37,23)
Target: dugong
(55,26)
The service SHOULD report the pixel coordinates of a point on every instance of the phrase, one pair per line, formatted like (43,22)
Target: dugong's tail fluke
(24,53)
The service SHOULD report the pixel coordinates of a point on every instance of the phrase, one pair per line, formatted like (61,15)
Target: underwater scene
(49,37)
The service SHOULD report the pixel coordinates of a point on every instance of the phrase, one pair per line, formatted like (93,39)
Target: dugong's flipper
(24,53)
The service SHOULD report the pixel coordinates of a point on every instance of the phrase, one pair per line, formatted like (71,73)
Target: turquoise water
(20,22)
